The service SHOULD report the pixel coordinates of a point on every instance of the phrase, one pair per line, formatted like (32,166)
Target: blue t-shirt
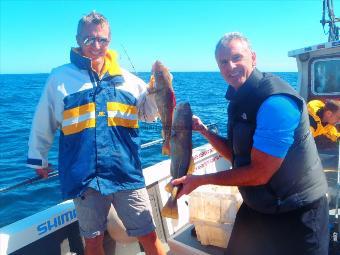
(277,119)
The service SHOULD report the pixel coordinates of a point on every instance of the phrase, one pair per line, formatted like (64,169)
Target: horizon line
(148,72)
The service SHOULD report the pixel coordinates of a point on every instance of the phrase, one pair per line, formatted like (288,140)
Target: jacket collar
(111,66)
(243,91)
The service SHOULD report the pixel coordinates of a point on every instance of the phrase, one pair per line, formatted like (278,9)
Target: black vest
(300,179)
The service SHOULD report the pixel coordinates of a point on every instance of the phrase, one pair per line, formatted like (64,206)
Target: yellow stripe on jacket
(122,115)
(79,118)
(80,110)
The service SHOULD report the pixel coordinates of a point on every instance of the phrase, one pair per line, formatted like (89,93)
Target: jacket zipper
(96,83)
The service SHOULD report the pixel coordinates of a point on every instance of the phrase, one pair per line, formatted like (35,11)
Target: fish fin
(173,133)
(191,168)
(170,209)
(152,82)
(166,148)
(169,187)
(173,98)
(152,85)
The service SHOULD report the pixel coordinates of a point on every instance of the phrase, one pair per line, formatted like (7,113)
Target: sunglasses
(91,40)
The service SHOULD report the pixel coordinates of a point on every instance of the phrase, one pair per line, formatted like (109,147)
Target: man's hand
(189,182)
(198,125)
(43,172)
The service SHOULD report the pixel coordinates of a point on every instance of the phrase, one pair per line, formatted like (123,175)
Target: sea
(19,96)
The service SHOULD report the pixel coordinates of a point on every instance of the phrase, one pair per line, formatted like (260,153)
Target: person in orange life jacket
(275,162)
(97,104)
(323,118)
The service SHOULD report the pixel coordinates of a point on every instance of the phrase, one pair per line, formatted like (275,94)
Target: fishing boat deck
(185,243)
(330,159)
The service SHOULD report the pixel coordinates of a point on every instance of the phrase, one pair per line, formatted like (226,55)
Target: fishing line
(129,59)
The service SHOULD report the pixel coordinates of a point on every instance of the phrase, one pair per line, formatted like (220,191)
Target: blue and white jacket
(99,144)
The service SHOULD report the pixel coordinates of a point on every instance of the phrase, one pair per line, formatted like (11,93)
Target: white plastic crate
(214,203)
(213,233)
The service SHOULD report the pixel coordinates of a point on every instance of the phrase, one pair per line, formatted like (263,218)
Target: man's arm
(44,126)
(219,143)
(263,166)
(332,133)
(277,119)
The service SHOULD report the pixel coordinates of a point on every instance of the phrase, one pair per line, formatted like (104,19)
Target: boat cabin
(319,71)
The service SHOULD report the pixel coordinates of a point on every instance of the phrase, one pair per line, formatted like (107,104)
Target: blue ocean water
(19,96)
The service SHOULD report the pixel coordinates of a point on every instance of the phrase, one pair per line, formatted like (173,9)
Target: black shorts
(299,232)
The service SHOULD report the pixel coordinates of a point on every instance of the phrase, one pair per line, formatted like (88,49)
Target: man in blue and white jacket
(96,104)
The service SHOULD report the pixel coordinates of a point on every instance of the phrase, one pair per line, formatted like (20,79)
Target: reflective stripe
(122,122)
(79,119)
(80,110)
(123,108)
(77,127)
(122,115)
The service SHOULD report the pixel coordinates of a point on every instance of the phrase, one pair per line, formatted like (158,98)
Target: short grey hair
(93,17)
(228,37)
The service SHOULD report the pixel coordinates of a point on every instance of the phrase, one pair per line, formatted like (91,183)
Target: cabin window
(326,76)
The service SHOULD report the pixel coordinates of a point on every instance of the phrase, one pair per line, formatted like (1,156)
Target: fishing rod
(29,181)
(127,55)
(55,173)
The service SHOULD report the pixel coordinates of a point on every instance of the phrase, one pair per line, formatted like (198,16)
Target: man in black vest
(275,162)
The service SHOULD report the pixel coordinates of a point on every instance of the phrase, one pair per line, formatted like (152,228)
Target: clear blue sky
(37,35)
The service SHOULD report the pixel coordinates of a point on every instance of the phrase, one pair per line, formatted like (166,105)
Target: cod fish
(181,155)
(161,85)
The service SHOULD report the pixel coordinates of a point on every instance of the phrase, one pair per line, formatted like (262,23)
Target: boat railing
(28,181)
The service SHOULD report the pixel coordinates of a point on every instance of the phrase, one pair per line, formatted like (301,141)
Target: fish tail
(191,168)
(170,209)
(169,187)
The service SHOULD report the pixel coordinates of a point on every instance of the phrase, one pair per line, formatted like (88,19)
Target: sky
(36,36)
